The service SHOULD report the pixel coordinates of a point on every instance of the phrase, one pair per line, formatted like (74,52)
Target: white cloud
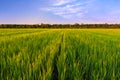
(69,8)
(62,2)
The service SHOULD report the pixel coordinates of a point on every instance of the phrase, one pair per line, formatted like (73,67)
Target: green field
(59,54)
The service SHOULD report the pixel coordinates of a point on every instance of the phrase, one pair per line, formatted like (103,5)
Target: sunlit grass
(68,54)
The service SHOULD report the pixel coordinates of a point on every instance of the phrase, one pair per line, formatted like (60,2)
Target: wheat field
(59,54)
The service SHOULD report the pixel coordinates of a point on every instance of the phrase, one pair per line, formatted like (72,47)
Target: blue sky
(59,11)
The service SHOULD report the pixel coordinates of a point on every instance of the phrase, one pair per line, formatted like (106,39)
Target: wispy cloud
(62,2)
(69,8)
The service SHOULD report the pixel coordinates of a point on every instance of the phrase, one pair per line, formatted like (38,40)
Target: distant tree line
(50,26)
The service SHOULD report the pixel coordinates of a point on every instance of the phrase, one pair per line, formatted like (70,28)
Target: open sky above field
(59,11)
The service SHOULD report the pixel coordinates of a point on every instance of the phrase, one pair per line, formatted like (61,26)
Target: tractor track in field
(55,70)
